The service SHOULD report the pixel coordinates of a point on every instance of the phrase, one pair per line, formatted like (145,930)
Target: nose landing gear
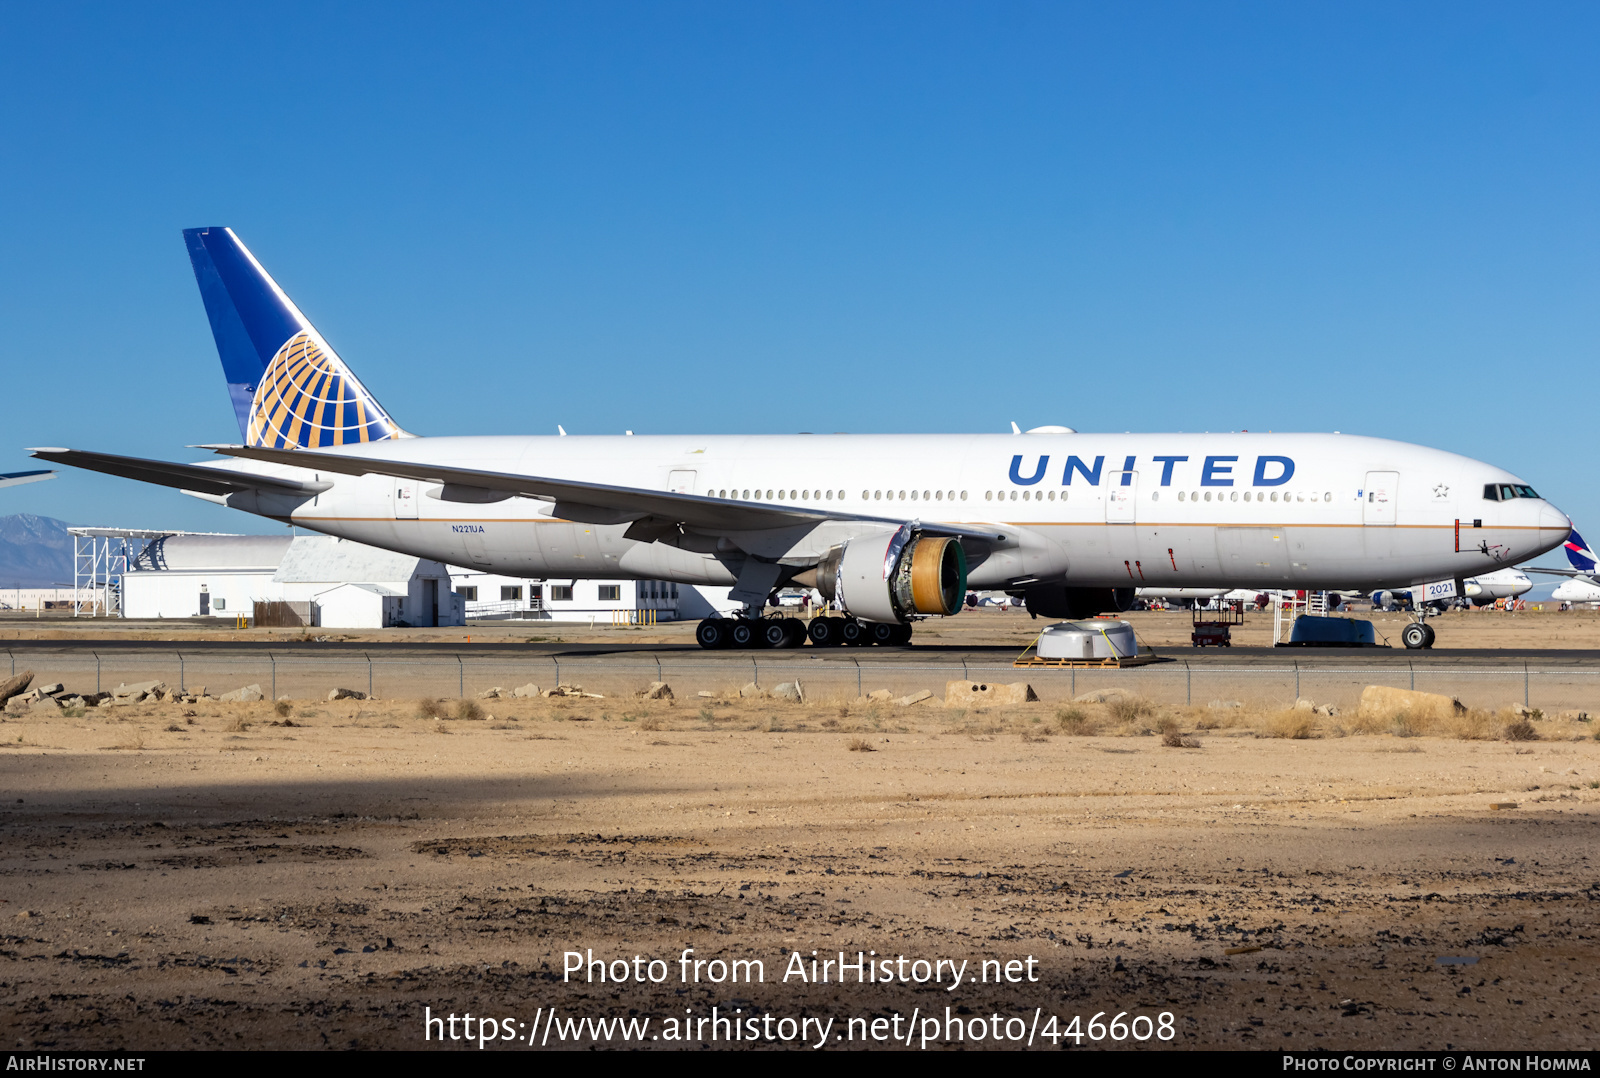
(1419,634)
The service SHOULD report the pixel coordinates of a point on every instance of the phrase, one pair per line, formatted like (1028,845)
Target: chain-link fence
(1550,688)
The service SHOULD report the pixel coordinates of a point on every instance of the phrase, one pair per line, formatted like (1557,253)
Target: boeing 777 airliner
(893,528)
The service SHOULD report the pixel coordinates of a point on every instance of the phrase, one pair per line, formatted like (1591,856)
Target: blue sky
(734,217)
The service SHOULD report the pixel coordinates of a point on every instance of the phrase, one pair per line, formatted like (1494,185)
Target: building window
(468,594)
(510,595)
(610,593)
(561,593)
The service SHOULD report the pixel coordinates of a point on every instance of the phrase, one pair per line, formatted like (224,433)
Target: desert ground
(306,873)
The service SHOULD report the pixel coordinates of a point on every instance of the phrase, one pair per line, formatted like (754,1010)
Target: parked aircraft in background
(892,528)
(1584,585)
(16,479)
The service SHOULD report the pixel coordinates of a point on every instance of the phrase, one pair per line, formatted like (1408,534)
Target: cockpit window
(1504,492)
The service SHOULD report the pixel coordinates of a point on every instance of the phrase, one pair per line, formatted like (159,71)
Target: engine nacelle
(1075,604)
(895,576)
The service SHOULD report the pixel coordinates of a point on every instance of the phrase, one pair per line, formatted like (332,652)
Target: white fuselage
(1093,510)
(1577,591)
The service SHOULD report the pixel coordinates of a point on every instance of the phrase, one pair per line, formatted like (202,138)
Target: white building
(187,576)
(491,596)
(339,584)
(355,586)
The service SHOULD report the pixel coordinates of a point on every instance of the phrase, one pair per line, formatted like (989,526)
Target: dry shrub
(1521,730)
(429,708)
(283,708)
(1475,725)
(173,728)
(238,726)
(1294,725)
(1130,709)
(1075,721)
(440,728)
(468,709)
(651,722)
(1172,739)
(858,744)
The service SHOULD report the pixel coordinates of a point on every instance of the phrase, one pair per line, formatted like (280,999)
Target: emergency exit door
(1121,496)
(1378,499)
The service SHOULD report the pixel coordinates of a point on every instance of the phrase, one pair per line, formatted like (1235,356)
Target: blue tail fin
(1579,554)
(288,387)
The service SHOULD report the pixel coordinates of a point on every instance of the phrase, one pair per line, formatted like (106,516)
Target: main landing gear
(746,632)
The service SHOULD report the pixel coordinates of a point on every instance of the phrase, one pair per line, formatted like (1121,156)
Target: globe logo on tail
(307,397)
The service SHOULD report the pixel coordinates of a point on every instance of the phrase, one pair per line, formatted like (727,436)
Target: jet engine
(1060,601)
(895,576)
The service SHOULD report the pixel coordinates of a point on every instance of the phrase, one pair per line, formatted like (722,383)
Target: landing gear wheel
(773,633)
(882,632)
(795,629)
(1415,636)
(826,632)
(854,633)
(901,637)
(743,633)
(712,634)
(1428,630)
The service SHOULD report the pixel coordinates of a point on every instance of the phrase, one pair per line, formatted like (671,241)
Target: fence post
(1188,682)
(1297,680)
(964,675)
(1074,681)
(14,666)
(180,673)
(557,660)
(367,657)
(461,676)
(1413,670)
(755,672)
(96,655)
(858,673)
(658,668)
(1525,701)
(274,661)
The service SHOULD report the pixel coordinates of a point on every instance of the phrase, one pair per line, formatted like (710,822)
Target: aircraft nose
(1553,519)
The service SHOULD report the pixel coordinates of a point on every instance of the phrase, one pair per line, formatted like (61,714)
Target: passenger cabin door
(1378,503)
(1121,497)
(680,482)
(405,499)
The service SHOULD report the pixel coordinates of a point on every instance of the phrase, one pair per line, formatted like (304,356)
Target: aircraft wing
(196,477)
(16,479)
(592,503)
(1578,573)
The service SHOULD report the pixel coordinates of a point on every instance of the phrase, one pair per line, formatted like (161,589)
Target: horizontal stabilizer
(196,477)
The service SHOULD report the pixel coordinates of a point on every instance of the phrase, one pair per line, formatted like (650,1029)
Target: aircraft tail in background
(288,387)
(1578,553)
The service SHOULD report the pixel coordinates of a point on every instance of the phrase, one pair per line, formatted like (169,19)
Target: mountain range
(35,552)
